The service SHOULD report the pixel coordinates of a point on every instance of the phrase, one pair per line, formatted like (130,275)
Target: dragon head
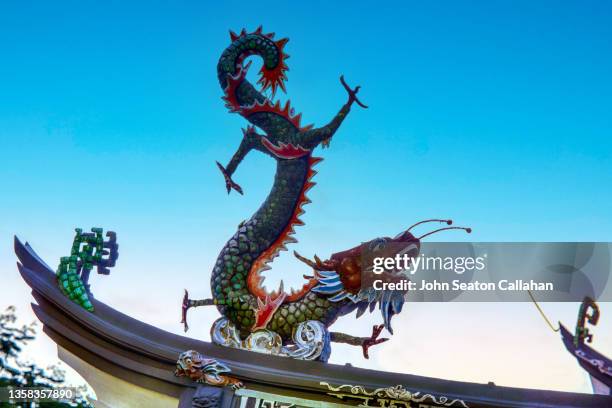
(192,364)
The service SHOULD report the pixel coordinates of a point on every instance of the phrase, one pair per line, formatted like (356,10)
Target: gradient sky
(495,114)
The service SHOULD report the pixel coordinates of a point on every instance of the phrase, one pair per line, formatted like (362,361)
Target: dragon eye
(377,244)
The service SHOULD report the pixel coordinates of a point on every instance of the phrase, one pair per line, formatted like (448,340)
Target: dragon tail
(240,96)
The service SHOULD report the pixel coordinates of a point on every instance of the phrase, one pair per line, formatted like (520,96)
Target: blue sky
(495,114)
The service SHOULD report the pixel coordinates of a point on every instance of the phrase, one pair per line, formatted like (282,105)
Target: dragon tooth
(281,287)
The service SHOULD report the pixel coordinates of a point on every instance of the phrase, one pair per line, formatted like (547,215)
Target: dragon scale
(258,240)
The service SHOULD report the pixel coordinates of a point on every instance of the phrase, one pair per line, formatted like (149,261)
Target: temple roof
(146,356)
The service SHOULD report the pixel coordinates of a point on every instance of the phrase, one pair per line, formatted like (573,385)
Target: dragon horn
(305,260)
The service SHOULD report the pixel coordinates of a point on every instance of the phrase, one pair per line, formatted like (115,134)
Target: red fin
(284,150)
(267,106)
(266,309)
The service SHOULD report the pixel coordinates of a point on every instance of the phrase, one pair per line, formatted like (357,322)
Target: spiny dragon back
(236,280)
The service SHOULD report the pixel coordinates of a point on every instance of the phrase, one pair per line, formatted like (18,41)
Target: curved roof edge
(146,356)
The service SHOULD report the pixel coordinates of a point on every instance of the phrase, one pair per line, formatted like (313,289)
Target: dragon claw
(229,183)
(352,93)
(185,307)
(373,340)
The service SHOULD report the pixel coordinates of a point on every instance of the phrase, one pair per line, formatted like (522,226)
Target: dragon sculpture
(293,324)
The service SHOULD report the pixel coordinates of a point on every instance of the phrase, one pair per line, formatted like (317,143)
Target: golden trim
(390,397)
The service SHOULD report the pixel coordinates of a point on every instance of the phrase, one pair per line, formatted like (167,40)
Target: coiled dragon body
(236,279)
